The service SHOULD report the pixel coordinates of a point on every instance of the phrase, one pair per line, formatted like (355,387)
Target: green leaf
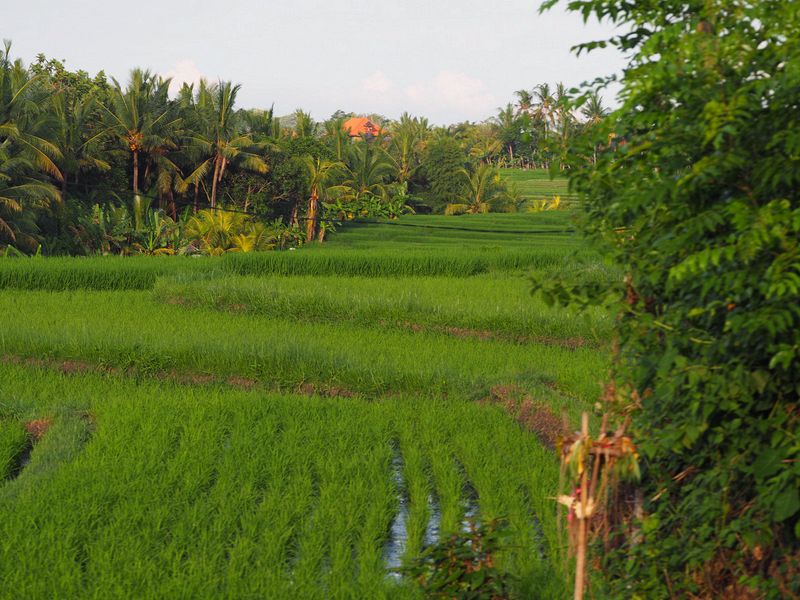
(787,504)
(768,463)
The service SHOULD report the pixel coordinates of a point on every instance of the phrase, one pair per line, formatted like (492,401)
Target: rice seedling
(13,441)
(96,273)
(211,491)
(179,460)
(484,306)
(130,330)
(374,262)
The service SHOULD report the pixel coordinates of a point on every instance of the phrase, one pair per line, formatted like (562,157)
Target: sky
(448,60)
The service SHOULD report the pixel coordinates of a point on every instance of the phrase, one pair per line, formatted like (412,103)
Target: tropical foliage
(80,155)
(697,198)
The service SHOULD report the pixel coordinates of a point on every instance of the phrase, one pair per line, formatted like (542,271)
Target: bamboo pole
(580,563)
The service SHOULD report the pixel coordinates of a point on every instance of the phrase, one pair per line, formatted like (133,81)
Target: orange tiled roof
(361,126)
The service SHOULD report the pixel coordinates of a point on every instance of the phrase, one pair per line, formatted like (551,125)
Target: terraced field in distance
(536,184)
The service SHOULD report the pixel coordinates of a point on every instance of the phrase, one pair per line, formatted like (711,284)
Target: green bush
(698,197)
(464,565)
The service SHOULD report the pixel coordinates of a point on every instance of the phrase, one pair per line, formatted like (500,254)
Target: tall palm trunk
(135,171)
(215,179)
(311,224)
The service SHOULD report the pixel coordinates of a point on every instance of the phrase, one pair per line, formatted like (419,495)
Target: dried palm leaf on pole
(593,470)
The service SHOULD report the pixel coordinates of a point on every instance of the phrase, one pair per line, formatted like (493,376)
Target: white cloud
(376,84)
(183,71)
(452,92)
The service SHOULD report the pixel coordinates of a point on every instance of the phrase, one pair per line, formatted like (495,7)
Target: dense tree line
(91,164)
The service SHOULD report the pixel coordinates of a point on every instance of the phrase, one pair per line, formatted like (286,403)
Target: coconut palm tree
(338,138)
(564,118)
(484,189)
(24,122)
(304,125)
(220,231)
(408,137)
(81,148)
(142,117)
(544,106)
(369,167)
(524,102)
(20,190)
(27,153)
(320,173)
(260,125)
(509,129)
(218,139)
(593,110)
(486,147)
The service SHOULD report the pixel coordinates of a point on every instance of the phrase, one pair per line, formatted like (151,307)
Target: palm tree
(304,125)
(338,138)
(27,153)
(80,147)
(320,173)
(369,167)
(509,129)
(260,125)
(564,118)
(23,122)
(142,117)
(220,231)
(20,190)
(593,110)
(486,147)
(218,139)
(524,102)
(408,139)
(485,187)
(544,106)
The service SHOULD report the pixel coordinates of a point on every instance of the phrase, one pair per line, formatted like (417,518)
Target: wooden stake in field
(580,560)
(609,457)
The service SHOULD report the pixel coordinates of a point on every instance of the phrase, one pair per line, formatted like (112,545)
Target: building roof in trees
(361,127)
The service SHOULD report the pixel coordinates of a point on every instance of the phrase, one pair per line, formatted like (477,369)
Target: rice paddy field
(292,424)
(536,184)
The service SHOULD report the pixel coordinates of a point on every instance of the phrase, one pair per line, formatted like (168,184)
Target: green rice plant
(454,262)
(537,183)
(13,441)
(203,492)
(416,474)
(130,330)
(95,273)
(483,306)
(460,464)
(542,232)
